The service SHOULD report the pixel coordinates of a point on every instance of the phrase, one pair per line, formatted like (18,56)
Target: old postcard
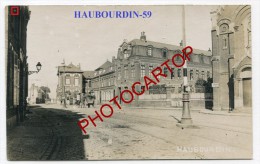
(117,82)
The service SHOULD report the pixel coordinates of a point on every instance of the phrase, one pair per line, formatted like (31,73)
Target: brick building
(103,82)
(231,40)
(16,64)
(87,84)
(138,58)
(70,82)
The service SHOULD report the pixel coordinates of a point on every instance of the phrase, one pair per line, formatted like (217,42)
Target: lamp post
(63,85)
(38,67)
(186,120)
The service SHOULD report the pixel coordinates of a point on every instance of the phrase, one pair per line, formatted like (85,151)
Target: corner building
(137,58)
(231,58)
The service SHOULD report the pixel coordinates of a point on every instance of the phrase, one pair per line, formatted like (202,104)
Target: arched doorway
(244,88)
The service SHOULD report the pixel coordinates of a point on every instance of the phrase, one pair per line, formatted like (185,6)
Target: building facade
(70,83)
(38,95)
(137,58)
(16,64)
(87,83)
(231,40)
(103,82)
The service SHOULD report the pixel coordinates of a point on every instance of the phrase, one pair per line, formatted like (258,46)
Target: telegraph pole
(186,120)
(63,85)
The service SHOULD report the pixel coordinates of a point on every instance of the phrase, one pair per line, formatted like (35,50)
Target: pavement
(47,134)
(51,133)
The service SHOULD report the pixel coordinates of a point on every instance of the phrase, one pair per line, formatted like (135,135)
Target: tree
(46,91)
(199,86)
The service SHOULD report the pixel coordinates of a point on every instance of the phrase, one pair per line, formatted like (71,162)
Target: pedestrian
(78,99)
(81,100)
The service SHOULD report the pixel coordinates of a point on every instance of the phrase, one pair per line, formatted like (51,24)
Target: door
(247,92)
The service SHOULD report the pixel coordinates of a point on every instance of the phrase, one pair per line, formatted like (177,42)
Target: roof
(168,46)
(88,74)
(69,68)
(107,64)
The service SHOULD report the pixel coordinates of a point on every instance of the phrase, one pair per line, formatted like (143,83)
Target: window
(203,75)
(119,73)
(149,51)
(225,42)
(16,80)
(133,72)
(179,73)
(142,70)
(191,74)
(76,80)
(109,82)
(157,72)
(67,79)
(126,54)
(197,74)
(125,71)
(150,70)
(165,71)
(89,83)
(173,73)
(208,74)
(164,53)
(179,89)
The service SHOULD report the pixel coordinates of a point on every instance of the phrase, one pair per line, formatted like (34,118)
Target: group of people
(84,100)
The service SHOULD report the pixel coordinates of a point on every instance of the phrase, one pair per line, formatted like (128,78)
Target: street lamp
(186,121)
(63,86)
(38,67)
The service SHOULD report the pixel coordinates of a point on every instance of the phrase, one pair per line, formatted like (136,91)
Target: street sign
(215,85)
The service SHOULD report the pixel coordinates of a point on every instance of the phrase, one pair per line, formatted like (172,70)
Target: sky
(53,34)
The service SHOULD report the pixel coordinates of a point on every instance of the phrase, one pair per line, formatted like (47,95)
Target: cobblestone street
(51,133)
(47,134)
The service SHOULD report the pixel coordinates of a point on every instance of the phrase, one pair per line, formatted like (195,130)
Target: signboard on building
(215,85)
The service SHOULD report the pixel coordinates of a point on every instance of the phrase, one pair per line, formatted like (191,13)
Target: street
(52,133)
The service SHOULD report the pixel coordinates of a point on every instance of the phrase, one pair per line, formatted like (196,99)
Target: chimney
(143,37)
(79,66)
(209,50)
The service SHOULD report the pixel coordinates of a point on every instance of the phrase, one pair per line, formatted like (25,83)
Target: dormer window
(149,51)
(164,53)
(126,54)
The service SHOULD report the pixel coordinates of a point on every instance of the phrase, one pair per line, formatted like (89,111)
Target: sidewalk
(30,139)
(202,111)
(207,111)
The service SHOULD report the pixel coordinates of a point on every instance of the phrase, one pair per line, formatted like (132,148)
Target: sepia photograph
(128,82)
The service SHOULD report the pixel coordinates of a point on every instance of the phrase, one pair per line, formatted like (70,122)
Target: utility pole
(63,85)
(186,120)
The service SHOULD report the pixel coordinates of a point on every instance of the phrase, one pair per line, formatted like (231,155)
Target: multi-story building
(137,58)
(231,40)
(16,62)
(103,82)
(70,82)
(87,84)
